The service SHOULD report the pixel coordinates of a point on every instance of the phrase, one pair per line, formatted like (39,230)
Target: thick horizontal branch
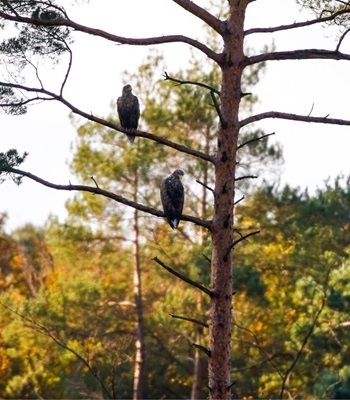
(109,124)
(296,25)
(201,13)
(97,190)
(302,54)
(115,38)
(294,117)
(182,277)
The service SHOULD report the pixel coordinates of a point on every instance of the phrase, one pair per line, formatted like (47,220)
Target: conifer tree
(44,29)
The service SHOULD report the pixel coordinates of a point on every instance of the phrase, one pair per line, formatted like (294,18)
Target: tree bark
(200,371)
(139,366)
(221,320)
(200,375)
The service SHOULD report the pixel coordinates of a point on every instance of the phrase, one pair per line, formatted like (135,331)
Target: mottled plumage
(172,196)
(128,110)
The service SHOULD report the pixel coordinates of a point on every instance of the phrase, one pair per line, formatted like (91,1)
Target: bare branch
(204,15)
(35,67)
(254,140)
(24,102)
(38,327)
(312,107)
(303,54)
(204,185)
(238,241)
(244,238)
(309,332)
(327,389)
(298,24)
(212,90)
(239,200)
(105,193)
(240,178)
(202,348)
(300,351)
(68,68)
(259,347)
(115,38)
(7,4)
(90,117)
(206,258)
(93,179)
(294,117)
(195,321)
(181,82)
(217,108)
(341,39)
(346,3)
(183,277)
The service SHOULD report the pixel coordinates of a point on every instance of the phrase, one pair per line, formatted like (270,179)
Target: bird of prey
(172,196)
(128,110)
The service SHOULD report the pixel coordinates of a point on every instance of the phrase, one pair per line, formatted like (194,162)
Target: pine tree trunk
(200,374)
(139,367)
(222,230)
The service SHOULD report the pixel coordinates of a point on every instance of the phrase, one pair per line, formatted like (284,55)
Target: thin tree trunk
(139,368)
(221,316)
(200,376)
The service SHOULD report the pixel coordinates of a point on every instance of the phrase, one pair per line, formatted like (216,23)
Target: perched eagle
(172,196)
(128,110)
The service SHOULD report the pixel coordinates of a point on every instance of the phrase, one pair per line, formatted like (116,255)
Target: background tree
(44,29)
(128,171)
(291,270)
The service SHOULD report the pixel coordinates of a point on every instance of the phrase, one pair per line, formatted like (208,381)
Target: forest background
(68,316)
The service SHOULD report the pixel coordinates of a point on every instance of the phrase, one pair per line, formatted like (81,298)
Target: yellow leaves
(279,250)
(4,362)
(16,261)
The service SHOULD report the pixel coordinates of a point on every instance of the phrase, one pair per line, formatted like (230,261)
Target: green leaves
(8,160)
(325,8)
(37,38)
(300,260)
(10,102)
(30,45)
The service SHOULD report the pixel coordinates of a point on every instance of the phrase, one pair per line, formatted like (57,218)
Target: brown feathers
(172,196)
(128,110)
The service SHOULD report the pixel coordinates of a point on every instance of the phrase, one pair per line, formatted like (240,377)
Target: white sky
(312,152)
